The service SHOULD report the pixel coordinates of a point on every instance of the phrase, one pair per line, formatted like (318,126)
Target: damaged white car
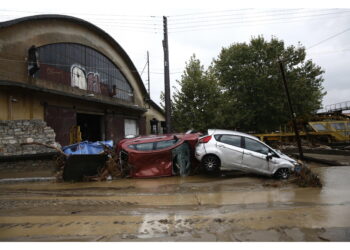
(232,150)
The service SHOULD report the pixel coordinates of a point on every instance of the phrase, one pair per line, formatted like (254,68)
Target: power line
(97,68)
(328,52)
(139,27)
(329,38)
(249,14)
(243,24)
(208,12)
(79,13)
(256,20)
(254,13)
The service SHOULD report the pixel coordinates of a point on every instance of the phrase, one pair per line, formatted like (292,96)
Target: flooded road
(235,207)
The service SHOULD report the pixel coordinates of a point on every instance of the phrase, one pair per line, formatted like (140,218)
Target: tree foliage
(197,103)
(243,88)
(251,78)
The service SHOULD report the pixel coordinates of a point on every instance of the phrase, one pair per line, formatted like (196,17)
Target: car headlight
(297,166)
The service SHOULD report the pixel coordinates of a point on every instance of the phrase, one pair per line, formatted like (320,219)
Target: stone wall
(13,133)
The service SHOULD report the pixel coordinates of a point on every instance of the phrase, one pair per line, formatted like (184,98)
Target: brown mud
(231,207)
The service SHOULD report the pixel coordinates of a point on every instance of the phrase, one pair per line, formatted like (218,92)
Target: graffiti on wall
(89,81)
(78,77)
(93,82)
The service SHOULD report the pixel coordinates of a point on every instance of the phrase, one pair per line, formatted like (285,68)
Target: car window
(233,140)
(142,146)
(256,146)
(319,127)
(338,126)
(165,144)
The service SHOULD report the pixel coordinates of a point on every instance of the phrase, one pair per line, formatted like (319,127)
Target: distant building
(69,73)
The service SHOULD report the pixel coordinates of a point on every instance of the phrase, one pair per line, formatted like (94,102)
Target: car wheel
(282,173)
(211,163)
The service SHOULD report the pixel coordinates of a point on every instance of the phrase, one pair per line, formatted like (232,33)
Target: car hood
(286,157)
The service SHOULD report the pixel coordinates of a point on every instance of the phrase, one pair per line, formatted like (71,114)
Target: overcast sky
(204,27)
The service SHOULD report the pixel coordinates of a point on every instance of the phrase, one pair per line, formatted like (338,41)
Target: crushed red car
(159,155)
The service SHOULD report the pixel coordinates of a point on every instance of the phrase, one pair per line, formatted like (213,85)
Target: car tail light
(205,139)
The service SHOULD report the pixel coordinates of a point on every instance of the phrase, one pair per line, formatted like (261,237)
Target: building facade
(72,74)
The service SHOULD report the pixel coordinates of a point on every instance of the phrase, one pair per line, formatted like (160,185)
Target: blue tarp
(87,148)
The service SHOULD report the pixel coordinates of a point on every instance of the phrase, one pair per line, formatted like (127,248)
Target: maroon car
(159,155)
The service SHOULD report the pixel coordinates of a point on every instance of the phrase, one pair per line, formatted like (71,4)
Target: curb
(30,179)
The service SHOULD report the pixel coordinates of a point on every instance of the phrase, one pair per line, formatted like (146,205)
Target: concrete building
(69,73)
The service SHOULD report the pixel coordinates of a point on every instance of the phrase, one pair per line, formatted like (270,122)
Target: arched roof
(91,27)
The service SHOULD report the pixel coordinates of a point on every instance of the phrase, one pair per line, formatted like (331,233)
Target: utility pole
(166,77)
(148,79)
(293,115)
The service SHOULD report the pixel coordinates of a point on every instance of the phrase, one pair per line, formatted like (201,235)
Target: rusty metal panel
(114,127)
(142,125)
(54,74)
(61,120)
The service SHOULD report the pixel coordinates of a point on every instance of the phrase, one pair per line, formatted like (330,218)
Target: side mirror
(269,156)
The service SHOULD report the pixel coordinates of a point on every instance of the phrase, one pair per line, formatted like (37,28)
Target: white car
(232,150)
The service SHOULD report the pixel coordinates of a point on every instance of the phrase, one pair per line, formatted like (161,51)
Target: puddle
(173,207)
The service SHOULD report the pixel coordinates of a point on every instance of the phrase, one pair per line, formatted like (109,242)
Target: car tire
(282,173)
(211,164)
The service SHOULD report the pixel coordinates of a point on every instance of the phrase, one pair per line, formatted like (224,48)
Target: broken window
(181,160)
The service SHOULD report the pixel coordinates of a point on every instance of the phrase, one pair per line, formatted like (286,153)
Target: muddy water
(234,207)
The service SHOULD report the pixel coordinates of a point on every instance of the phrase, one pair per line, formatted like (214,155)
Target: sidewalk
(27,171)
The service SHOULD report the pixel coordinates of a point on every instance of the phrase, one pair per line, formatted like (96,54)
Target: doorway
(91,127)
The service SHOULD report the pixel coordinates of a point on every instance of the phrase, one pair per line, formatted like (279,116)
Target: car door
(230,148)
(254,156)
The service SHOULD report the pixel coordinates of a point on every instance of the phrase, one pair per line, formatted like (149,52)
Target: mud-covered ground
(235,207)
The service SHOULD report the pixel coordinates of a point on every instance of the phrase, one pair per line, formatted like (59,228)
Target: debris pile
(304,177)
(110,168)
(305,144)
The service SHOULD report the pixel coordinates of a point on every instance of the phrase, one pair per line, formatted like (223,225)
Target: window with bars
(83,67)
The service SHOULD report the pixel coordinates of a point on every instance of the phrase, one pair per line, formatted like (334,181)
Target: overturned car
(158,155)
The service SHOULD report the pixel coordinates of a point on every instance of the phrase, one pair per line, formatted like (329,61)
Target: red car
(158,155)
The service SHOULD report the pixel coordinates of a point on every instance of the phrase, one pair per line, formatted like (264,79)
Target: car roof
(156,138)
(230,132)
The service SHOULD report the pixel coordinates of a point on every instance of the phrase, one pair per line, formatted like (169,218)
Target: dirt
(230,207)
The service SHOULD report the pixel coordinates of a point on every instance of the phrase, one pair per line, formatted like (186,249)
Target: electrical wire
(69,65)
(257,20)
(246,25)
(254,15)
(327,52)
(329,38)
(208,12)
(249,14)
(80,13)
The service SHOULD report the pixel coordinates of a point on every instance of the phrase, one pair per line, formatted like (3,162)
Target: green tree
(252,86)
(197,103)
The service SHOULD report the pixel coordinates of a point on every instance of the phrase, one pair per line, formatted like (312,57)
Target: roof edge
(91,26)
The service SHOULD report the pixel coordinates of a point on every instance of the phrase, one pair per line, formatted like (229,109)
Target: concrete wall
(17,105)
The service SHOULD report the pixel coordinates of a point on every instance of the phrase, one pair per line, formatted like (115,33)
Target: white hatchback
(232,150)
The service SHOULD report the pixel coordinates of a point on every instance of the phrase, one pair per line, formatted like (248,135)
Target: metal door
(254,156)
(61,120)
(231,151)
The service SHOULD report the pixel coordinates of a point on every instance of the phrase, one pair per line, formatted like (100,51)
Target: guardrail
(338,106)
